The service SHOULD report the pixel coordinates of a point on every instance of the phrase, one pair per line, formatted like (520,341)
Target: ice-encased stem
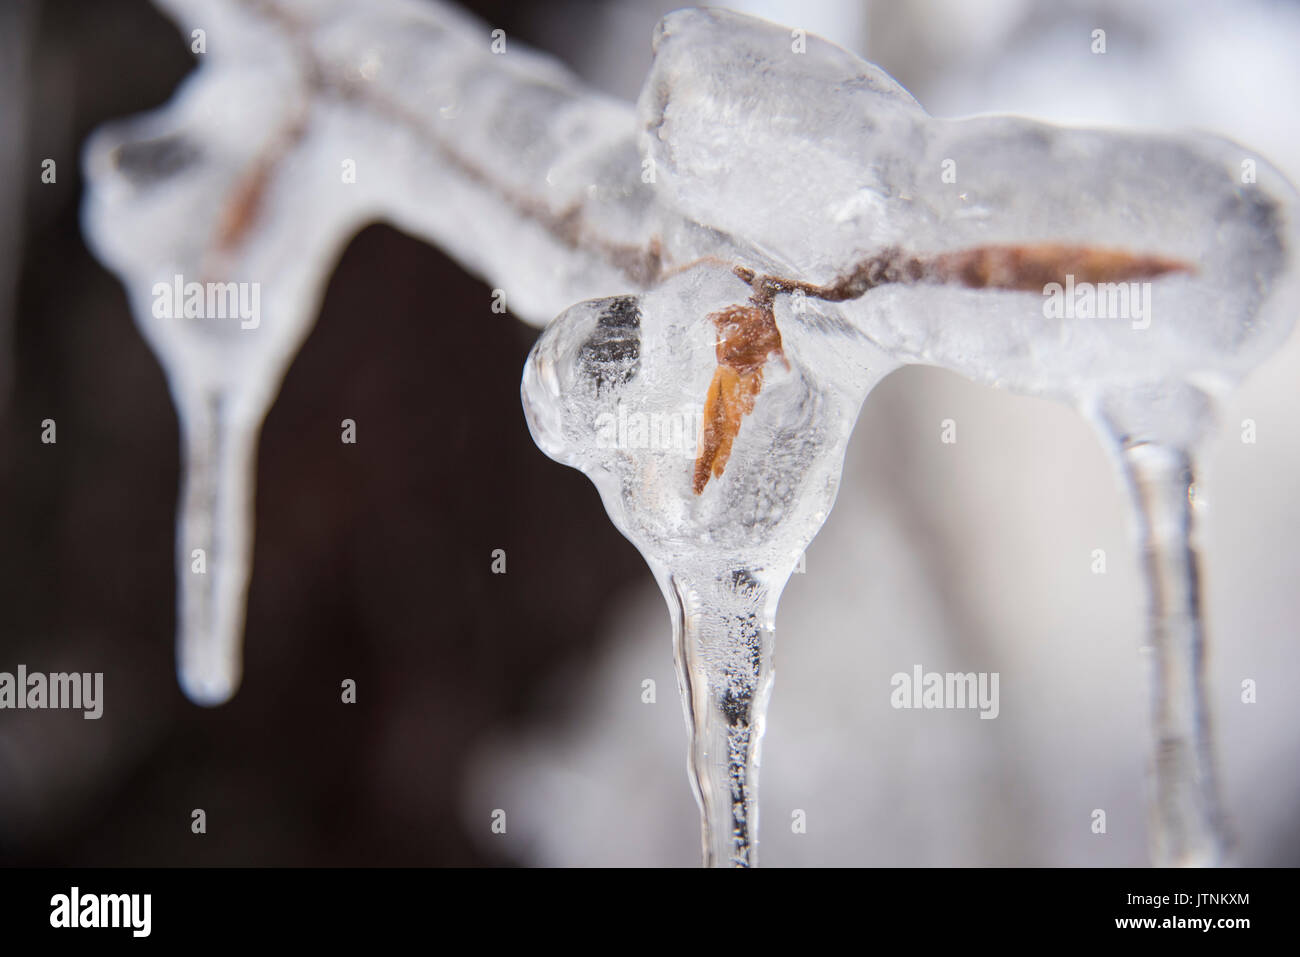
(1185,820)
(723,636)
(215,515)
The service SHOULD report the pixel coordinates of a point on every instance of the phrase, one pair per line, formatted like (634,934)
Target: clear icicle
(723,636)
(613,387)
(214,545)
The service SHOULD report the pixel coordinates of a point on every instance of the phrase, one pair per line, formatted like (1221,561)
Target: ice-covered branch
(751,250)
(225,211)
(1132,275)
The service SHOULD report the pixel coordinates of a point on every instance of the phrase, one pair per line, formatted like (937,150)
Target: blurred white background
(973,556)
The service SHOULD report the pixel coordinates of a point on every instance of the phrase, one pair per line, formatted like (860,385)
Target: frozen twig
(760,202)
(304,122)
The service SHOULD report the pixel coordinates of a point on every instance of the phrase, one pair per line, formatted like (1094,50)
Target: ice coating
(821,159)
(776,174)
(879,236)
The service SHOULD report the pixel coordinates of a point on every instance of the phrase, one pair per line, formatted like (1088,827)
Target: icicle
(793,228)
(214,546)
(1185,826)
(1152,437)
